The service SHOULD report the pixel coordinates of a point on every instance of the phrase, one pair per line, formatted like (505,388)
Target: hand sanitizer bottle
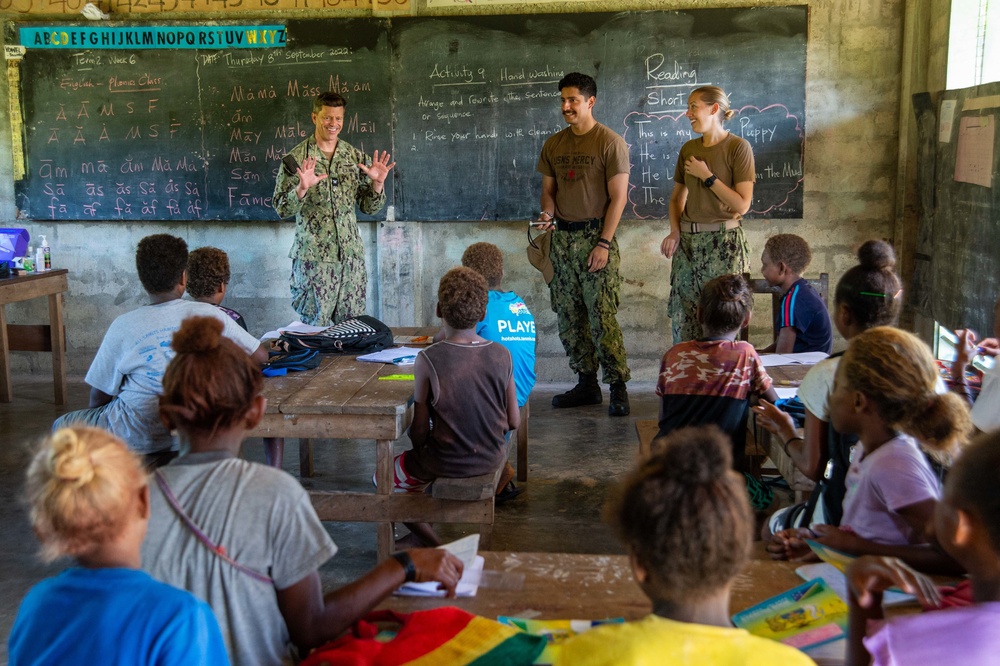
(40,258)
(46,256)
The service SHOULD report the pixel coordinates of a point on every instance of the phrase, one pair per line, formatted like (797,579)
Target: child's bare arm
(867,578)
(786,340)
(513,412)
(99,398)
(420,427)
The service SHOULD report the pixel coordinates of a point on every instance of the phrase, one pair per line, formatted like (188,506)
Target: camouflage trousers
(327,292)
(586,305)
(700,258)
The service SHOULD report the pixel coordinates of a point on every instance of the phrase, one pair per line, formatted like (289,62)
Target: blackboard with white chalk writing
(477,98)
(463,103)
(180,132)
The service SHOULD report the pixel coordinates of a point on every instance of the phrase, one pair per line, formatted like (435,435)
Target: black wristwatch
(710,180)
(406,562)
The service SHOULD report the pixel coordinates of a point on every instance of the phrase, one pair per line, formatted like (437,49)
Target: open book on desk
(803,358)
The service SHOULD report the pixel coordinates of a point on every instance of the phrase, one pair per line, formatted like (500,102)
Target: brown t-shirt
(731,160)
(582,166)
(468,407)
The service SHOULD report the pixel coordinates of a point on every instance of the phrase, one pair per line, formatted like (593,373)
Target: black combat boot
(586,392)
(618,405)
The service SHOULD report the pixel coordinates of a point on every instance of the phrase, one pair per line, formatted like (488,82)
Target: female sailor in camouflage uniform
(713,188)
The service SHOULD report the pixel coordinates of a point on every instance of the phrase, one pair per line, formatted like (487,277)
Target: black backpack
(358,335)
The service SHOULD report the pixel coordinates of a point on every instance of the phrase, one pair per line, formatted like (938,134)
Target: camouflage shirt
(326,228)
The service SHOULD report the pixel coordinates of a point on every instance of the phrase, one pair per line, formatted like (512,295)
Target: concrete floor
(575,455)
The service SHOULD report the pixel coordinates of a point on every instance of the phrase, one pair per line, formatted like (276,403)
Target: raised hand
(307,176)
(379,169)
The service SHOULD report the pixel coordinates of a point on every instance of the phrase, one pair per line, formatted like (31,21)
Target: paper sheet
(786,392)
(465,549)
(974,154)
(804,358)
(295,327)
(947,119)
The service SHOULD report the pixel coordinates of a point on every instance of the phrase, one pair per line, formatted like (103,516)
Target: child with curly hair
(685,521)
(802,322)
(244,536)
(967,525)
(885,392)
(89,500)
(464,398)
(208,280)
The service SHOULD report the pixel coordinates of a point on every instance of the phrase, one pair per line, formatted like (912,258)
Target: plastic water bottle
(29,261)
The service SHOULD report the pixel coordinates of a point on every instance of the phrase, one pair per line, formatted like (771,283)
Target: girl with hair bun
(885,392)
(869,294)
(713,189)
(89,500)
(245,536)
(684,518)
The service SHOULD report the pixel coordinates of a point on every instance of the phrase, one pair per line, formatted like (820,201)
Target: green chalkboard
(463,103)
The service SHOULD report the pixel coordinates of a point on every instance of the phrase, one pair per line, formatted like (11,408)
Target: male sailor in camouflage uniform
(329,279)
(585,170)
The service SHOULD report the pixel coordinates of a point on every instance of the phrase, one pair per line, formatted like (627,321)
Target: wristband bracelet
(406,562)
(604,242)
(784,447)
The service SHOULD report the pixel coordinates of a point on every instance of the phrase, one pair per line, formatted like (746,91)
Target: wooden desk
(40,338)
(344,399)
(572,586)
(787,375)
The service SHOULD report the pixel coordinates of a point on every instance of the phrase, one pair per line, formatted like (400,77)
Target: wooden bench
(473,496)
(520,436)
(646,431)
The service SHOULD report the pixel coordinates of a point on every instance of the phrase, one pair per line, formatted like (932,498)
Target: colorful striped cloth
(445,635)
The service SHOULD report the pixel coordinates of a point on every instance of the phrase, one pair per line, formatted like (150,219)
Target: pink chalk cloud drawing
(775,134)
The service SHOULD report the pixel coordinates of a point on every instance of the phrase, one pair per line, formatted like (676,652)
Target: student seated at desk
(885,392)
(464,399)
(242,536)
(687,525)
(208,280)
(509,322)
(802,322)
(867,295)
(89,500)
(711,379)
(125,377)
(967,525)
